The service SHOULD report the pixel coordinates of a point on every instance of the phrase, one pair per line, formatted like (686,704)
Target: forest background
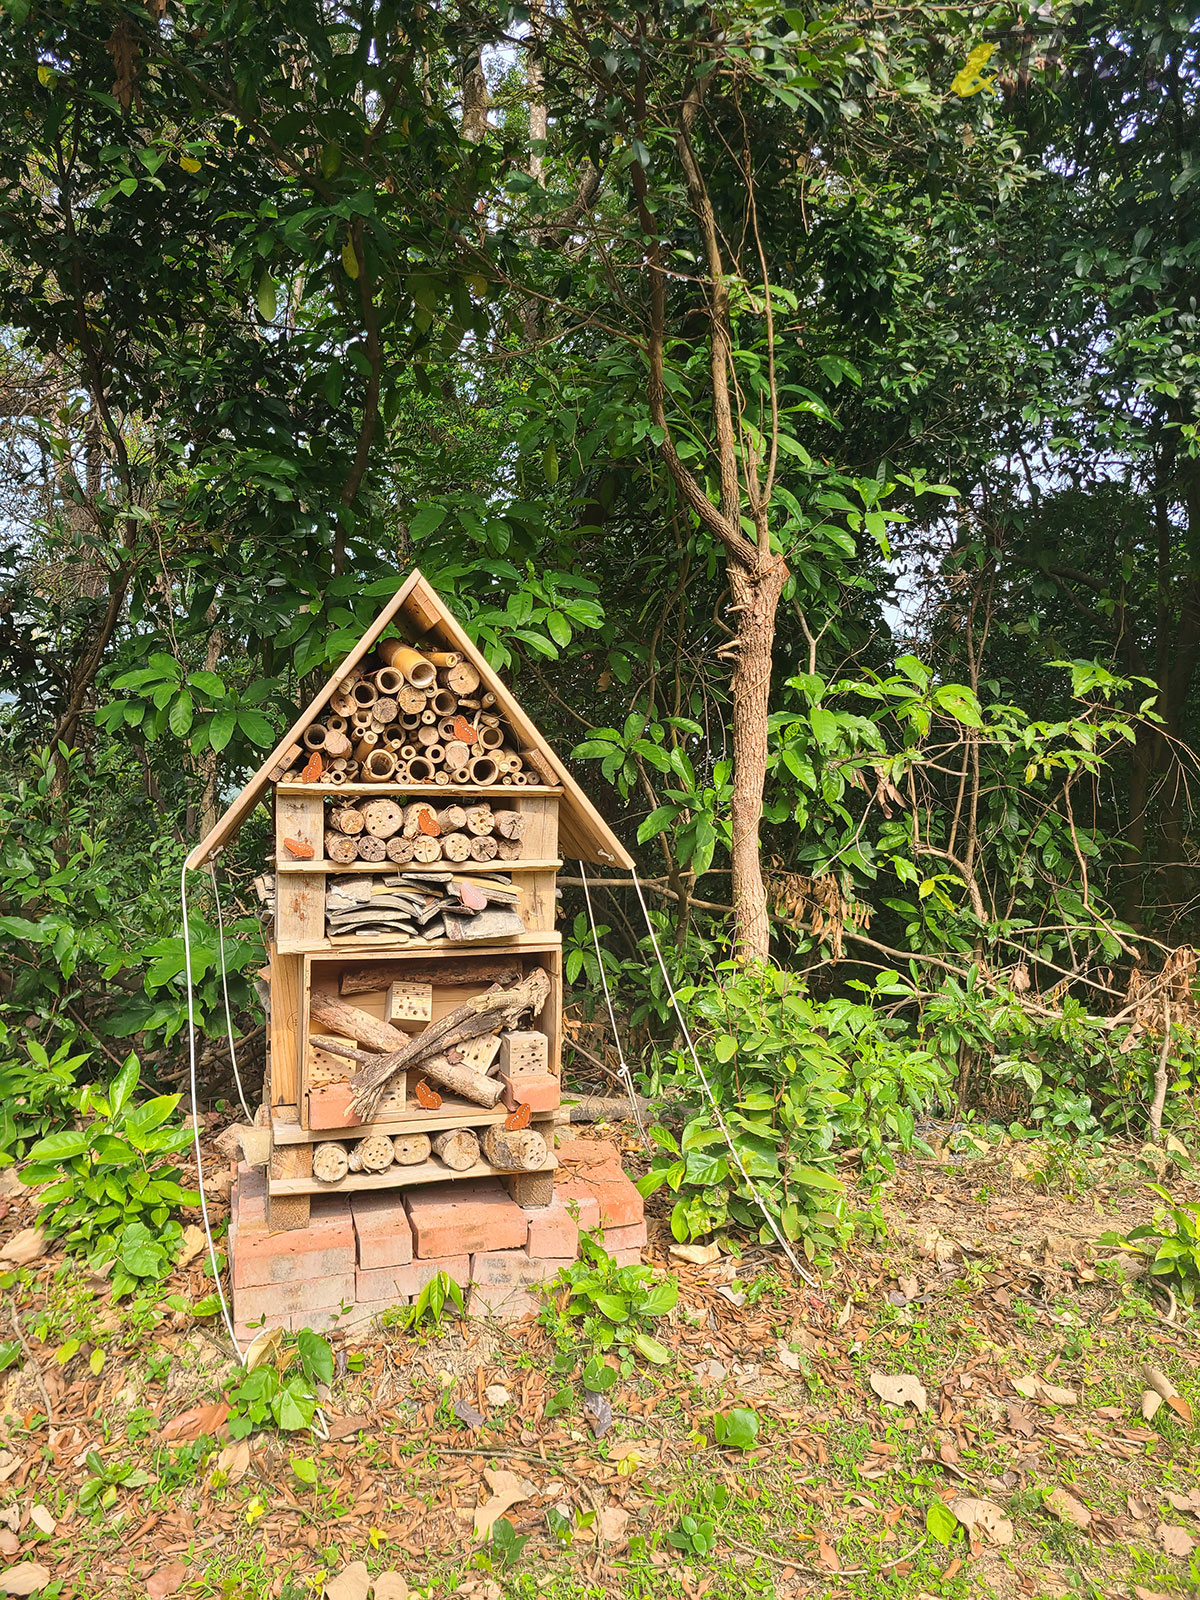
(798,405)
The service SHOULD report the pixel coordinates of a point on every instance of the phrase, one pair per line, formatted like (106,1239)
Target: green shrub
(797,1079)
(1170,1245)
(36,1091)
(112,1172)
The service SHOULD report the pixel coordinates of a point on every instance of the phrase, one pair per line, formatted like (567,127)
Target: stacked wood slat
(436,904)
(412,716)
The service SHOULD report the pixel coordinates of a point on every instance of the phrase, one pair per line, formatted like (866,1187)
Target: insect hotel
(415,994)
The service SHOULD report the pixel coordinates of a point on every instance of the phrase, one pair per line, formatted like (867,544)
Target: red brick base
(360,1255)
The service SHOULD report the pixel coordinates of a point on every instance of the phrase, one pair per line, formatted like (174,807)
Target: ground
(981,1271)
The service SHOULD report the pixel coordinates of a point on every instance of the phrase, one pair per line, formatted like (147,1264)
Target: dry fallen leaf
(700,1255)
(9,1543)
(42,1520)
(194,1241)
(234,1461)
(352,1583)
(901,1388)
(1067,1509)
(262,1347)
(612,1522)
(24,1247)
(1185,1502)
(389,1586)
(27,1578)
(191,1425)
(984,1517)
(1020,1420)
(1047,1394)
(1149,1594)
(1175,1541)
(787,1358)
(166,1581)
(508,1489)
(826,1554)
(1151,1400)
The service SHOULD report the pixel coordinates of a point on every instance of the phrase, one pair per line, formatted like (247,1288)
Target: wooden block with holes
(480,1053)
(324,1067)
(409,1002)
(523,1053)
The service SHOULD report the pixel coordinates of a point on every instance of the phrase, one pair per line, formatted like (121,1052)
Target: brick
(450,1219)
(633,1237)
(381,1229)
(554,1231)
(298,1294)
(392,1285)
(323,1249)
(627,1258)
(580,1201)
(540,1092)
(319,1321)
(329,1106)
(587,1152)
(618,1201)
(506,1302)
(495,1267)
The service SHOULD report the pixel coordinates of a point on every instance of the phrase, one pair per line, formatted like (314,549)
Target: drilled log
(382,817)
(330,1163)
(426,849)
(457,1148)
(460,679)
(411,701)
(372,1154)
(515,1150)
(339,848)
(480,820)
(451,819)
(368,848)
(510,824)
(410,1149)
(484,848)
(412,819)
(456,847)
(400,849)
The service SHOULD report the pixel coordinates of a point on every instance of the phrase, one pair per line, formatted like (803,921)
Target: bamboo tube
(420,770)
(388,681)
(428,718)
(442,778)
(410,719)
(384,711)
(419,672)
(380,767)
(364,693)
(351,770)
(366,743)
(461,775)
(337,746)
(444,703)
(491,738)
(445,727)
(313,737)
(402,772)
(427,734)
(520,779)
(335,777)
(443,658)
(483,770)
(408,751)
(335,724)
(506,780)
(435,753)
(342,702)
(361,720)
(411,700)
(489,720)
(487,698)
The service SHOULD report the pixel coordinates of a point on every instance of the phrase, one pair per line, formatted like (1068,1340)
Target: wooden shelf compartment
(486,869)
(398,1177)
(453,1112)
(382,944)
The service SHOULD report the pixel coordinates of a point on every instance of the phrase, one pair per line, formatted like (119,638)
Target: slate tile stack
(363,1253)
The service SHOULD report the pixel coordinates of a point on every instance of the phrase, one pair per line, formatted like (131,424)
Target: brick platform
(365,1252)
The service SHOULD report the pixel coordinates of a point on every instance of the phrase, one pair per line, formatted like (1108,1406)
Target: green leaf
(256,727)
(221,726)
(814,1178)
(651,1349)
(725,1048)
(316,1356)
(179,719)
(613,1306)
(428,519)
(266,297)
(941,1522)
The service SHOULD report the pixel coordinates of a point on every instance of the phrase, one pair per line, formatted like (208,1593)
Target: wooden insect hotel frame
(415,992)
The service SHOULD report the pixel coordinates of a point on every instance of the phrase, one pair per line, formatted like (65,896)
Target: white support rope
(733,1149)
(623,1068)
(237,1077)
(212,1249)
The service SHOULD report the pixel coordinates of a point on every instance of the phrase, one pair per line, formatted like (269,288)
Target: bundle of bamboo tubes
(420,833)
(413,717)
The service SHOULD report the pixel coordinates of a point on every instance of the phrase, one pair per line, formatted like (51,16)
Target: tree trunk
(755,601)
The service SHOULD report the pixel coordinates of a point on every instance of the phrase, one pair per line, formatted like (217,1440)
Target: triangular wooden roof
(420,613)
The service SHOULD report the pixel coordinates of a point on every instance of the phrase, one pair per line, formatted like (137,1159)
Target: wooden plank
(541,824)
(378,944)
(453,1113)
(393,1178)
(486,869)
(585,832)
(550,1019)
(300,897)
(538,903)
(284,1027)
(226,826)
(443,791)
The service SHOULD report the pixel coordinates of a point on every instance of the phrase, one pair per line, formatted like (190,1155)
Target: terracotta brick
(627,1258)
(579,1199)
(381,1229)
(322,1250)
(587,1152)
(633,1237)
(395,1285)
(554,1231)
(319,1321)
(506,1302)
(450,1219)
(329,1106)
(298,1294)
(494,1267)
(621,1206)
(540,1092)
